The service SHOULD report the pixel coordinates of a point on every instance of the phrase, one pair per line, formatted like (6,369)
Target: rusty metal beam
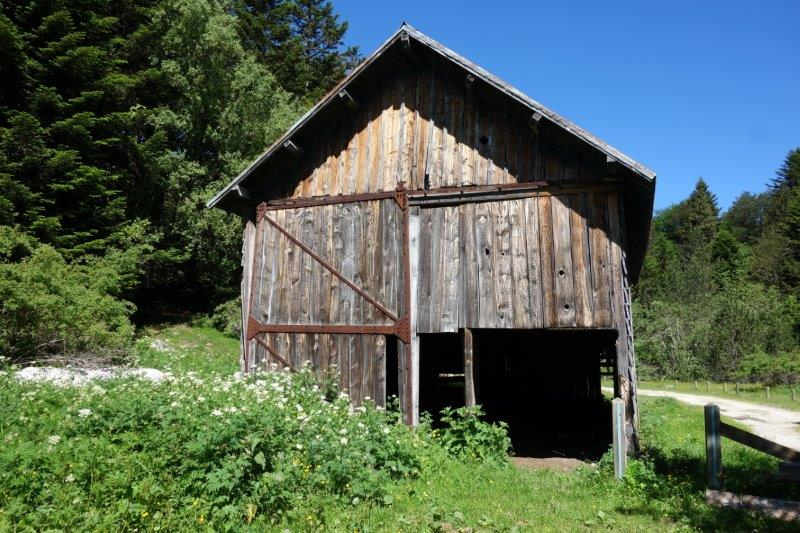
(398,329)
(314,201)
(420,196)
(364,294)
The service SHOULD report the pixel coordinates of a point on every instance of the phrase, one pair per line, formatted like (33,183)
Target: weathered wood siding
(363,242)
(550,261)
(430,129)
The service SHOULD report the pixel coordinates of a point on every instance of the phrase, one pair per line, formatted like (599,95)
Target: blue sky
(690,89)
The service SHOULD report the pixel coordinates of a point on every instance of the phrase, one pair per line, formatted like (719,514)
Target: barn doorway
(441,373)
(545,384)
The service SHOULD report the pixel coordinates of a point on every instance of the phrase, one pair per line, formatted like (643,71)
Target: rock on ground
(81,376)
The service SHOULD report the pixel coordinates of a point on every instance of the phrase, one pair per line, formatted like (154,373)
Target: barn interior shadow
(545,384)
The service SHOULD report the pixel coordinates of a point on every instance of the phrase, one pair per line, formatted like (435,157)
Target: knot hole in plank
(487,251)
(561,272)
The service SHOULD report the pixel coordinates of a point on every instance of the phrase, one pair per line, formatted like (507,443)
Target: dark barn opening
(545,384)
(441,373)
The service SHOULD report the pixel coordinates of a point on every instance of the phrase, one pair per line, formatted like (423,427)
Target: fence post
(767,393)
(713,448)
(618,433)
(725,386)
(708,386)
(794,394)
(737,387)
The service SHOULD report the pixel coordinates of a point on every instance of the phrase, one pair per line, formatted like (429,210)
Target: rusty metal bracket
(402,329)
(401,196)
(364,294)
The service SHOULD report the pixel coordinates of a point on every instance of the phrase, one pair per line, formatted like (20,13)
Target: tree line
(118,120)
(718,294)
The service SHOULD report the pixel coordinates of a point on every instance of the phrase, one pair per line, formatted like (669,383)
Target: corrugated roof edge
(468,65)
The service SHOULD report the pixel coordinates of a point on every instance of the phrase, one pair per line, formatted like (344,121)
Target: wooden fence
(789,468)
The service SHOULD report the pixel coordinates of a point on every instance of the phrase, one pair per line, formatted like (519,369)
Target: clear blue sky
(690,89)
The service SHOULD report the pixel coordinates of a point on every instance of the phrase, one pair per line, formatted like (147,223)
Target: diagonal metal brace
(364,294)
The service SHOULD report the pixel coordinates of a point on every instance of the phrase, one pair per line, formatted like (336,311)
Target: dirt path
(773,423)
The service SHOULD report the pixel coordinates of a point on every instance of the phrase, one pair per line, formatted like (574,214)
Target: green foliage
(771,369)
(66,132)
(49,306)
(465,436)
(717,298)
(227,317)
(300,42)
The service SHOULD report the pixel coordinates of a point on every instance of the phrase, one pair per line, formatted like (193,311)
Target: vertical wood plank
(450,269)
(599,253)
(562,254)
(248,245)
(534,261)
(520,285)
(469,261)
(580,262)
(484,232)
(424,258)
(437,272)
(546,248)
(469,382)
(502,264)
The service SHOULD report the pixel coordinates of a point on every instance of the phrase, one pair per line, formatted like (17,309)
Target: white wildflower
(343,440)
(216,412)
(53,439)
(386,431)
(69,479)
(83,413)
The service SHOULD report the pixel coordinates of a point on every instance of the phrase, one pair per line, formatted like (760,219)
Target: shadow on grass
(678,489)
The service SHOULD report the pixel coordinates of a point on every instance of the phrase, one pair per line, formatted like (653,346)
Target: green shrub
(466,436)
(227,318)
(779,369)
(50,306)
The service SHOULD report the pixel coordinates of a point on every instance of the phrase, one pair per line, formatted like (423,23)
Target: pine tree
(65,127)
(299,41)
(700,217)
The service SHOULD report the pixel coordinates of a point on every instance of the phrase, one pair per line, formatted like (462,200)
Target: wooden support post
(737,387)
(708,386)
(696,386)
(725,386)
(618,437)
(794,394)
(469,372)
(713,447)
(767,393)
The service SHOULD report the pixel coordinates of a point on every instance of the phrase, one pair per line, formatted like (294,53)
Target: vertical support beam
(248,257)
(469,375)
(713,447)
(408,354)
(619,440)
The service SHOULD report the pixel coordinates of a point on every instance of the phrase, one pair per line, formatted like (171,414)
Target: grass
(780,395)
(138,463)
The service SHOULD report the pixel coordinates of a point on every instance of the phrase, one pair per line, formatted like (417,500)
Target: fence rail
(715,429)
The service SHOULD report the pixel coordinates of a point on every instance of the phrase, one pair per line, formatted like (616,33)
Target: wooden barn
(428,232)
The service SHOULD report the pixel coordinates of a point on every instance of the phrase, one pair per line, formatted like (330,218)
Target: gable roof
(473,69)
